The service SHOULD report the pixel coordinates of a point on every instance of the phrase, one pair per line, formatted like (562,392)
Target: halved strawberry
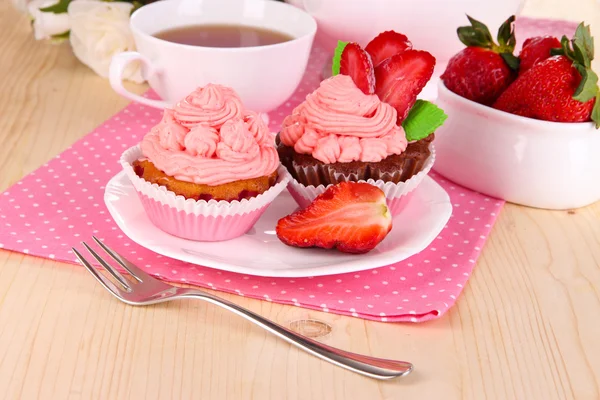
(356,63)
(402,77)
(351,217)
(386,45)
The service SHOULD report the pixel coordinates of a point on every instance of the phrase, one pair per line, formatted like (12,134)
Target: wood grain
(526,327)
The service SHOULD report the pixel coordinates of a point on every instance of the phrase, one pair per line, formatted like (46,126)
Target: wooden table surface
(526,327)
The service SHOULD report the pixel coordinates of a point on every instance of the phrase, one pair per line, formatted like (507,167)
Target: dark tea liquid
(223,36)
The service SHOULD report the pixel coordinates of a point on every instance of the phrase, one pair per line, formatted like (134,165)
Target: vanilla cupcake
(209,169)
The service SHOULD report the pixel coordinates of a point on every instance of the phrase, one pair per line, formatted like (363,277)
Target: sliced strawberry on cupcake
(356,63)
(484,69)
(400,72)
(562,88)
(387,44)
(350,217)
(402,77)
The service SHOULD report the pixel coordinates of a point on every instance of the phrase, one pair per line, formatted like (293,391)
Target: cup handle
(117,66)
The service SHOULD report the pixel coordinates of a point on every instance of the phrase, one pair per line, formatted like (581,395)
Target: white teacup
(263,76)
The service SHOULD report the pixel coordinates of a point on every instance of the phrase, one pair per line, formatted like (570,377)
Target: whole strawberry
(562,88)
(483,70)
(535,50)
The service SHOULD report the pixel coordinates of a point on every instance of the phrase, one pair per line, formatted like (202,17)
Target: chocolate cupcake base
(307,170)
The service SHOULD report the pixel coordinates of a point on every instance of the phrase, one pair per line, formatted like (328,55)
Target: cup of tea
(260,48)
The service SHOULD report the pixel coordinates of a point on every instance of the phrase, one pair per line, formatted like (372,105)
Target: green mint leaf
(506,35)
(596,111)
(58,8)
(423,119)
(588,87)
(584,40)
(337,57)
(511,60)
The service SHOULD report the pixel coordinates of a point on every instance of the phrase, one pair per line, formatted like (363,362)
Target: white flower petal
(99,30)
(47,24)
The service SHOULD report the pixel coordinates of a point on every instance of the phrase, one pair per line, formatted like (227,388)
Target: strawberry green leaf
(506,35)
(565,44)
(470,37)
(337,57)
(584,40)
(580,50)
(581,56)
(596,111)
(58,8)
(423,119)
(477,35)
(588,87)
(511,60)
(481,27)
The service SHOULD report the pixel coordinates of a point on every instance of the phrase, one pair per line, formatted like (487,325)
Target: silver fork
(148,290)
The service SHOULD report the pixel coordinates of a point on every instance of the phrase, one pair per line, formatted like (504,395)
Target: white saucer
(259,252)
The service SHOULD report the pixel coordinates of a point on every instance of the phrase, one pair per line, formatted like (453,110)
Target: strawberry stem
(596,111)
(580,50)
(478,35)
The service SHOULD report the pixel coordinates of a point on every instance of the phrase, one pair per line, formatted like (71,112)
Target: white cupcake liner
(199,219)
(395,193)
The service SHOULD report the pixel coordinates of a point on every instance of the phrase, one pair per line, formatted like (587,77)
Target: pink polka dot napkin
(61,204)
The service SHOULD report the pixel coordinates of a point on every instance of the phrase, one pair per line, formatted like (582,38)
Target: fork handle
(373,367)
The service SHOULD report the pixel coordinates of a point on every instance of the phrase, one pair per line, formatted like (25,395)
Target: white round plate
(259,252)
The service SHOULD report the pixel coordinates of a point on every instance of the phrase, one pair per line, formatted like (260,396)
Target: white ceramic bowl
(526,161)
(429,24)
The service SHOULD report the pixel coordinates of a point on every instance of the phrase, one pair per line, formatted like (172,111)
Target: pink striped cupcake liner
(198,220)
(396,194)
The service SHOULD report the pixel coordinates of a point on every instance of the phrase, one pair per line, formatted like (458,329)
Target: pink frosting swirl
(201,141)
(170,134)
(339,123)
(237,142)
(211,105)
(258,128)
(212,150)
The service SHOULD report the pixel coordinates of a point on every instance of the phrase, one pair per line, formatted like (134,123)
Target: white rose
(100,30)
(47,24)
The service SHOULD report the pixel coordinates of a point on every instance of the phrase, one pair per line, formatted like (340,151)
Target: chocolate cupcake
(341,134)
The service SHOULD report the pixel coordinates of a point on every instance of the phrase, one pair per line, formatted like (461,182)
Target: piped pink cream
(339,123)
(209,138)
